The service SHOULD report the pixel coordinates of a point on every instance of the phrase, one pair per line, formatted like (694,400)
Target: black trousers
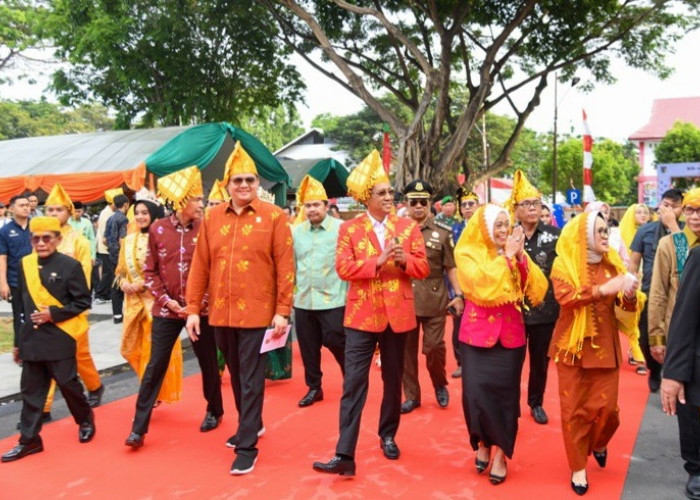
(241,349)
(653,365)
(116,294)
(164,333)
(689,436)
(103,289)
(456,325)
(34,386)
(17,311)
(359,350)
(316,329)
(538,338)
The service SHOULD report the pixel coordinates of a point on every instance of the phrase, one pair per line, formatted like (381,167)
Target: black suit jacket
(63,277)
(682,361)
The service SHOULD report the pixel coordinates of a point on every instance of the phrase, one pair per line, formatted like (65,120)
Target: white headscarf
(593,257)
(491,213)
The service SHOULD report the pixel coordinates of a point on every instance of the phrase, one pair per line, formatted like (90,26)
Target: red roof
(666,112)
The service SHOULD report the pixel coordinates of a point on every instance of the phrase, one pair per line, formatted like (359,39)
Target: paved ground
(655,473)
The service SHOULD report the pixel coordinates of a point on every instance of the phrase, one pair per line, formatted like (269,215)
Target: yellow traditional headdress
(628,224)
(218,192)
(239,162)
(110,194)
(44,224)
(522,190)
(692,197)
(571,267)
(466,194)
(58,196)
(309,190)
(365,176)
(179,187)
(483,279)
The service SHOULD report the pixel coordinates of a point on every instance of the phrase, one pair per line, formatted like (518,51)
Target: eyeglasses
(423,202)
(45,238)
(603,231)
(530,204)
(467,204)
(384,192)
(688,210)
(237,181)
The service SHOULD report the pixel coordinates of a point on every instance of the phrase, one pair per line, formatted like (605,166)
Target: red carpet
(436,461)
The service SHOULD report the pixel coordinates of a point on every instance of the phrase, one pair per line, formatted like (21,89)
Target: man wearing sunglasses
(431,301)
(53,286)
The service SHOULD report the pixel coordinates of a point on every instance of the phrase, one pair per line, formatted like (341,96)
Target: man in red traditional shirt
(245,261)
(171,243)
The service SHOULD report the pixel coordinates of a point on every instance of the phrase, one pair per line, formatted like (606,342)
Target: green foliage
(19,22)
(615,168)
(680,145)
(34,118)
(171,62)
(274,127)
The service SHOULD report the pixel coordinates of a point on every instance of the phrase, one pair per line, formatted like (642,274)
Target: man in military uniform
(431,301)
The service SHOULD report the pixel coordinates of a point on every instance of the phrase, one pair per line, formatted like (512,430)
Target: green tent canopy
(208,146)
(331,173)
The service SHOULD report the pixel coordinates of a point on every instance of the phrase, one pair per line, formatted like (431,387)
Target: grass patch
(7,335)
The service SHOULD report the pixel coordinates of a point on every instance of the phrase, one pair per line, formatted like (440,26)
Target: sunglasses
(384,192)
(530,203)
(45,238)
(237,181)
(468,204)
(422,202)
(689,211)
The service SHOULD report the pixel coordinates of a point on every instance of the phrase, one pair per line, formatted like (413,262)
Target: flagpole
(554,146)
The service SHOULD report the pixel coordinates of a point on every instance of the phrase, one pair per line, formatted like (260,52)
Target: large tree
(19,38)
(170,62)
(503,51)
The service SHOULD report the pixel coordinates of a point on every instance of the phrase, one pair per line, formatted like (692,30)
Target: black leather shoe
(95,397)
(311,397)
(442,396)
(344,466)
(87,430)
(22,450)
(539,415)
(135,440)
(210,422)
(579,489)
(481,465)
(389,447)
(409,405)
(654,382)
(692,487)
(496,480)
(601,457)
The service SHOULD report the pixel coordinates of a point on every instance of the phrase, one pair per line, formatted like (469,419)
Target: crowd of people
(236,273)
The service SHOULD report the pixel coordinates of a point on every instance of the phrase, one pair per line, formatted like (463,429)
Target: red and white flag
(588,195)
(386,150)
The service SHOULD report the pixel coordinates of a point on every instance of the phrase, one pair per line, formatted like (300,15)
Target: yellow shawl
(76,326)
(628,225)
(571,267)
(484,275)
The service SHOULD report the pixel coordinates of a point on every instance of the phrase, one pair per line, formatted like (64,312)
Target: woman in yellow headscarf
(636,216)
(597,298)
(495,274)
(138,301)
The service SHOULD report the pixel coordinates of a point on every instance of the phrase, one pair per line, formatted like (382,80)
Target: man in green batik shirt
(319,294)
(84,227)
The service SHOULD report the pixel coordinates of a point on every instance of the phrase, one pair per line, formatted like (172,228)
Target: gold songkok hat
(44,224)
(238,163)
(522,190)
(58,196)
(692,197)
(310,190)
(466,194)
(218,192)
(179,187)
(365,176)
(110,194)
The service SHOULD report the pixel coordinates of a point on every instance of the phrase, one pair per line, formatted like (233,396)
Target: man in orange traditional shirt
(378,253)
(245,261)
